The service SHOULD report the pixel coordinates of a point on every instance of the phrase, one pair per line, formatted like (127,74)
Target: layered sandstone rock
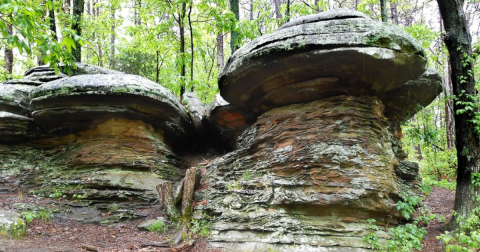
(227,121)
(106,137)
(323,156)
(339,52)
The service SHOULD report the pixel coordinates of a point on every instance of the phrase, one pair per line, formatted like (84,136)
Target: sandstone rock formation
(227,121)
(323,155)
(107,137)
(331,53)
(312,112)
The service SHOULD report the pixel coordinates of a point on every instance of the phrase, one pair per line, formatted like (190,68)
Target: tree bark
(449,121)
(52,24)
(180,21)
(66,6)
(220,62)
(458,42)
(112,40)
(394,12)
(234,7)
(9,52)
(383,8)
(287,12)
(191,45)
(277,4)
(78,6)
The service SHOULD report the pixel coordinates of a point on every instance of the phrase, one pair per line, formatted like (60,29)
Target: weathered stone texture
(227,121)
(307,175)
(328,54)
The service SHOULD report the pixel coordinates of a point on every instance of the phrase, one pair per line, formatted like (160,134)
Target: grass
(158,227)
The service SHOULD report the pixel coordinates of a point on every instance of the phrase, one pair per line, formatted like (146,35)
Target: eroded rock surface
(333,53)
(227,121)
(105,137)
(306,175)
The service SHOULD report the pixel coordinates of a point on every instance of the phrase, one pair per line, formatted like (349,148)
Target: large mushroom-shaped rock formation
(103,136)
(323,156)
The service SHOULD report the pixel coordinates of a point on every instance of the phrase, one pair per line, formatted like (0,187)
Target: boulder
(196,111)
(14,98)
(307,175)
(227,121)
(11,224)
(332,53)
(326,94)
(75,103)
(106,137)
(15,121)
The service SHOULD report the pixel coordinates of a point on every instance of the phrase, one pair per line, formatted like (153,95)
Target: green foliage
(406,237)
(466,237)
(408,205)
(372,238)
(42,214)
(247,175)
(158,226)
(201,227)
(15,230)
(442,183)
(113,208)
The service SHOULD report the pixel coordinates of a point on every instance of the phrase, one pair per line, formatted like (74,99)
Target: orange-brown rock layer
(307,175)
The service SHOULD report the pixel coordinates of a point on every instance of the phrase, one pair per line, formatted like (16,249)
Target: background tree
(78,7)
(458,41)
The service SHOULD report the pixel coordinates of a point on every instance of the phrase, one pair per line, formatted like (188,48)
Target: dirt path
(67,235)
(441,202)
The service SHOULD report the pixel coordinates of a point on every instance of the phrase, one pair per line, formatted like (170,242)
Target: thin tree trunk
(9,52)
(180,20)
(287,13)
(234,7)
(277,4)
(52,24)
(99,45)
(394,12)
(449,122)
(191,45)
(458,42)
(157,69)
(112,40)
(383,8)
(220,50)
(251,10)
(78,6)
(66,7)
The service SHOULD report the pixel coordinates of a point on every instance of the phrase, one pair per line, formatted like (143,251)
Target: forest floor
(62,234)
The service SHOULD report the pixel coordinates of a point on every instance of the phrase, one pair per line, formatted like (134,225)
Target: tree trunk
(137,6)
(52,24)
(277,4)
(78,6)
(157,68)
(383,8)
(112,40)
(9,52)
(191,45)
(96,11)
(234,7)
(458,42)
(220,50)
(394,12)
(287,12)
(180,20)
(449,122)
(66,6)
